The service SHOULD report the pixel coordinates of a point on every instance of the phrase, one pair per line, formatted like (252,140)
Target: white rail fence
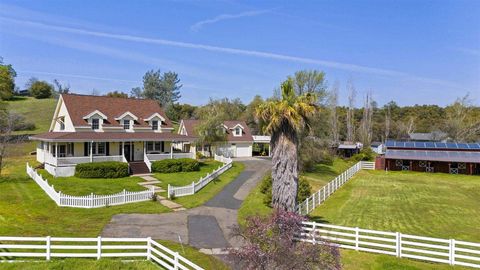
(88,201)
(12,248)
(193,188)
(326,191)
(449,251)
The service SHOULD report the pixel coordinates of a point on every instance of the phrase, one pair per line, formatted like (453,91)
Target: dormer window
(238,131)
(126,124)
(154,125)
(95,123)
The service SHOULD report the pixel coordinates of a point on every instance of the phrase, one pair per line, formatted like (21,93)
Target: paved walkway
(207,227)
(150,183)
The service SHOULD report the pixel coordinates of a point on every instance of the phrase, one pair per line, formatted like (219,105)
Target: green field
(436,205)
(430,204)
(37,111)
(206,193)
(324,173)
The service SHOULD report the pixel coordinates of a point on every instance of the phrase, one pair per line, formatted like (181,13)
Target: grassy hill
(37,111)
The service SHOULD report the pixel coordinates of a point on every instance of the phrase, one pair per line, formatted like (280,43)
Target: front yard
(206,193)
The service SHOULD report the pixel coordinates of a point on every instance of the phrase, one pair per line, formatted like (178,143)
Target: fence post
(313,201)
(399,244)
(307,205)
(60,198)
(452,252)
(48,248)
(314,232)
(356,238)
(99,247)
(193,187)
(149,248)
(175,257)
(124,196)
(324,197)
(168,191)
(91,200)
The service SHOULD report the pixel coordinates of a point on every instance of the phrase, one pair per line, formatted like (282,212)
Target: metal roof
(434,155)
(434,145)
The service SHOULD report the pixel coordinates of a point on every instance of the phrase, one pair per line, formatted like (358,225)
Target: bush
(313,152)
(109,169)
(41,89)
(366,154)
(304,189)
(175,165)
(199,155)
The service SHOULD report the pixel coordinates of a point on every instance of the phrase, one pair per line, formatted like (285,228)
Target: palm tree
(285,118)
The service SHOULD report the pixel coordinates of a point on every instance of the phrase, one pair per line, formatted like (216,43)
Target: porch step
(138,167)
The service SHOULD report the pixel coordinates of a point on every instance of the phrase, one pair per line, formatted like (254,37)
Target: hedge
(109,169)
(175,165)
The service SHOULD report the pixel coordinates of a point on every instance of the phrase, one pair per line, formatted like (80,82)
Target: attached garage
(243,149)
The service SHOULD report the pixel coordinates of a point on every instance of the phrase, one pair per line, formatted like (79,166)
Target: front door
(127,151)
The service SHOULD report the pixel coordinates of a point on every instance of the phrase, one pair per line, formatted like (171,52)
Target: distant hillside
(37,111)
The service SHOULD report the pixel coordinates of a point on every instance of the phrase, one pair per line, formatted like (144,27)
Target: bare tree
(8,122)
(351,111)
(388,118)
(459,124)
(366,124)
(333,105)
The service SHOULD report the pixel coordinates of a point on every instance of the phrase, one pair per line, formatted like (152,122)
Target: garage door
(244,150)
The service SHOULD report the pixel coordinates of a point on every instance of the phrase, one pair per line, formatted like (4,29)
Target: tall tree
(366,123)
(388,117)
(60,88)
(286,118)
(39,89)
(310,81)
(7,80)
(249,115)
(351,111)
(8,121)
(333,106)
(117,94)
(164,88)
(459,123)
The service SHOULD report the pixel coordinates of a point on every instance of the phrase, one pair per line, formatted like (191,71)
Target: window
(98,148)
(61,121)
(126,124)
(238,131)
(155,147)
(95,123)
(154,125)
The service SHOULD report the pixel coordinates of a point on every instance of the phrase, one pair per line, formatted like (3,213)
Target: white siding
(68,121)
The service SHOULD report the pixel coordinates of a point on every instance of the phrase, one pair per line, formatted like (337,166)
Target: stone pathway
(150,182)
(207,227)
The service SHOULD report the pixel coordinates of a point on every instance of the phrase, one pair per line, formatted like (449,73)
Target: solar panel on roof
(430,144)
(390,143)
(474,145)
(462,146)
(409,144)
(400,144)
(440,145)
(452,145)
(419,144)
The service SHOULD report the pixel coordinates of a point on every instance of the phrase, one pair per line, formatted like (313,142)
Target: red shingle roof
(79,106)
(190,126)
(110,136)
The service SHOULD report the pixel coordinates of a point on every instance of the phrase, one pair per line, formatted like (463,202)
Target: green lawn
(99,186)
(436,205)
(37,111)
(324,173)
(206,193)
(87,264)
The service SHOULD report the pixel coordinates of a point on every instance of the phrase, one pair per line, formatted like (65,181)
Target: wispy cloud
(80,76)
(253,53)
(199,25)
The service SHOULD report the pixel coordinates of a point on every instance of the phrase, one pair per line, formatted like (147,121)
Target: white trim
(93,113)
(153,116)
(237,126)
(127,113)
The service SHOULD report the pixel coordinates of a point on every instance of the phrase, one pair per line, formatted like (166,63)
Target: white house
(99,128)
(239,140)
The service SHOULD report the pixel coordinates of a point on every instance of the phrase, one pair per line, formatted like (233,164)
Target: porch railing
(154,157)
(69,161)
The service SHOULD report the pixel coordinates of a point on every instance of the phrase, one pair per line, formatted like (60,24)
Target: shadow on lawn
(318,219)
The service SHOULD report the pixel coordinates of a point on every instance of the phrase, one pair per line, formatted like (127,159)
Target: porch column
(91,151)
(56,150)
(123,149)
(144,148)
(269,150)
(171,150)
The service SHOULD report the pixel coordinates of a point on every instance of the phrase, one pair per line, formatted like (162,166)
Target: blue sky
(413,52)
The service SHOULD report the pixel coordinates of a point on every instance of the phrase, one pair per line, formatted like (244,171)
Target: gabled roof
(79,106)
(190,126)
(95,112)
(127,114)
(110,137)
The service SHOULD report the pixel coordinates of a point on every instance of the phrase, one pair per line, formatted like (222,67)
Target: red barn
(454,158)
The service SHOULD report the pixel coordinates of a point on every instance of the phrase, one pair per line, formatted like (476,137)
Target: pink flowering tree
(269,243)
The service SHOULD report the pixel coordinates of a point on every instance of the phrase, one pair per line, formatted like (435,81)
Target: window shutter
(107,148)
(163,147)
(85,149)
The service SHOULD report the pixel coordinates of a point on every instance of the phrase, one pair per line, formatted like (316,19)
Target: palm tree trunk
(285,168)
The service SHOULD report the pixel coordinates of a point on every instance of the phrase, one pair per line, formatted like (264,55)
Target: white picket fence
(449,251)
(173,191)
(12,248)
(88,201)
(326,191)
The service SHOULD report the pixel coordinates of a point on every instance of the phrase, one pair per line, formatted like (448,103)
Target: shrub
(109,169)
(366,154)
(304,189)
(313,152)
(268,243)
(175,165)
(41,89)
(199,155)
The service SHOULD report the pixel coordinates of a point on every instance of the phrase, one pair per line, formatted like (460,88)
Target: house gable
(61,115)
